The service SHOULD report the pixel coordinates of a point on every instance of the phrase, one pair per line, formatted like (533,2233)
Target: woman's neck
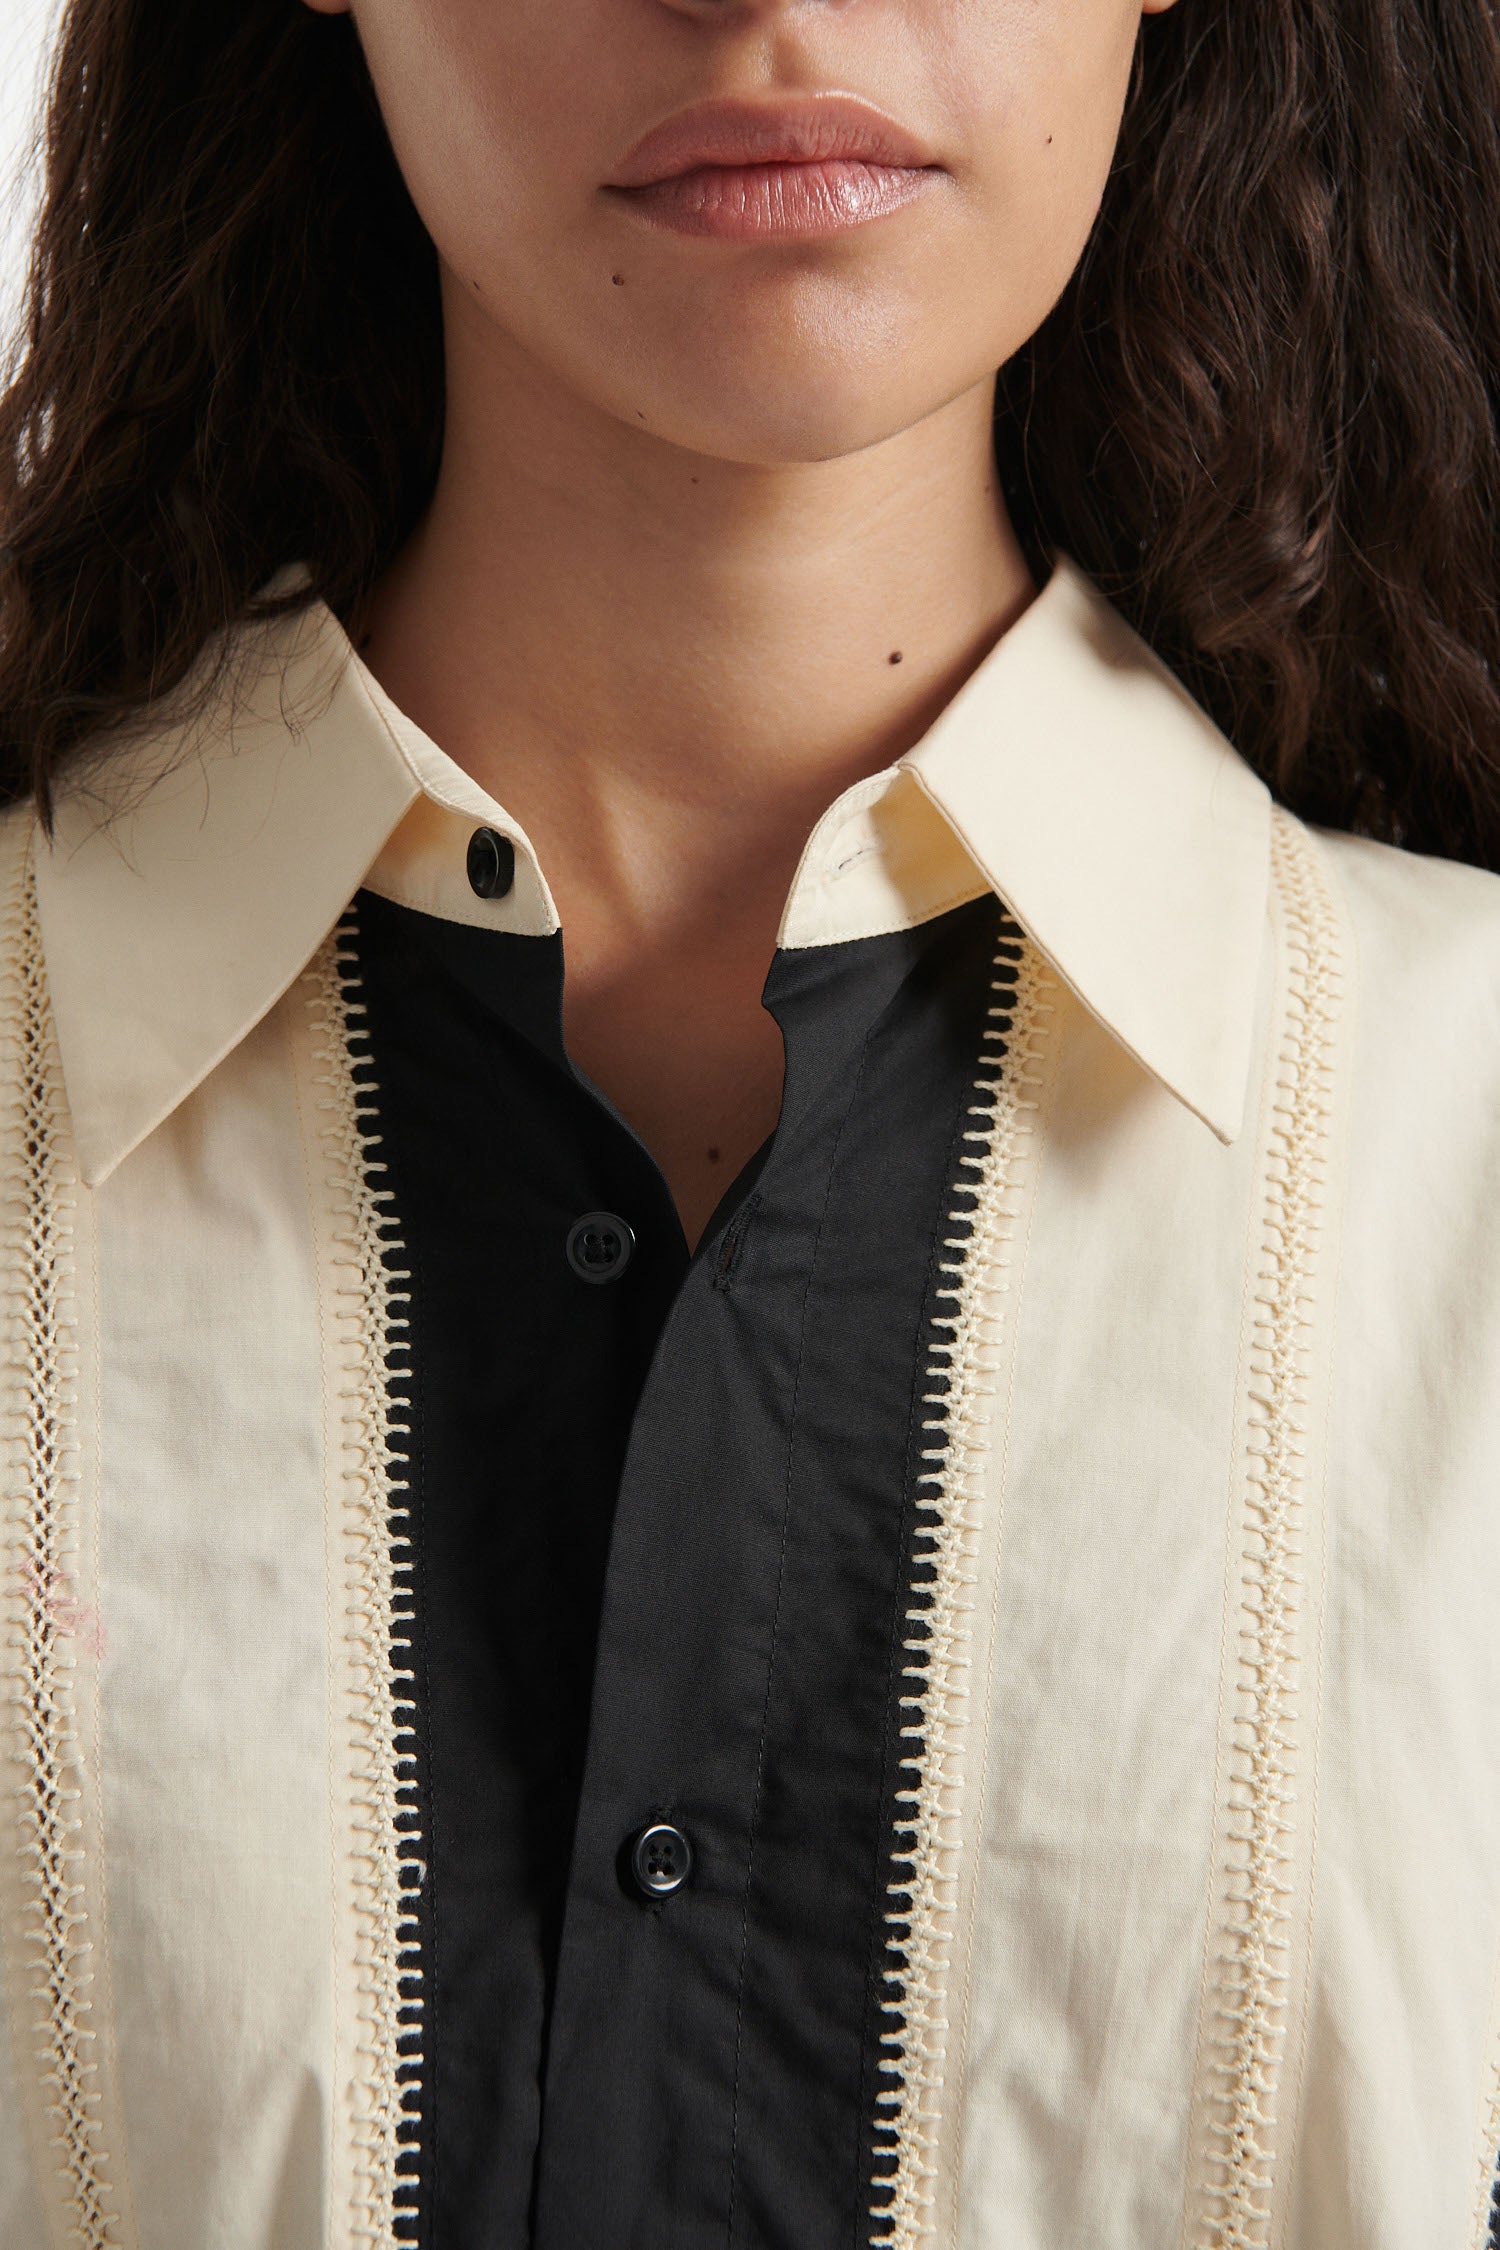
(665,666)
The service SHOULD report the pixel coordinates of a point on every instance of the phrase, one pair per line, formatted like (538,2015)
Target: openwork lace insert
(1250,2030)
(939,1620)
(1485,2233)
(39,1189)
(376,1609)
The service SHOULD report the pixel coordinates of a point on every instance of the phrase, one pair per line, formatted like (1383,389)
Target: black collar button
(491,863)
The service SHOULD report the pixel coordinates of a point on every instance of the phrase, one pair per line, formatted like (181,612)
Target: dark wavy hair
(1263,414)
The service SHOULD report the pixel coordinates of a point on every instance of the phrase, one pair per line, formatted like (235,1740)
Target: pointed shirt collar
(186,889)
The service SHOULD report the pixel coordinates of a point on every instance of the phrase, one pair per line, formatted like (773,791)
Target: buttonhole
(734,1235)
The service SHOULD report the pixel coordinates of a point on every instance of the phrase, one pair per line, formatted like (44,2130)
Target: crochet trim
(1485,2232)
(961,1380)
(1248,2048)
(386,1873)
(38,1194)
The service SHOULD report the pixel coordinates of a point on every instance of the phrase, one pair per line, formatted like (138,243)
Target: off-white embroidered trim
(376,1609)
(1486,2227)
(941,1613)
(38,1189)
(1248,2050)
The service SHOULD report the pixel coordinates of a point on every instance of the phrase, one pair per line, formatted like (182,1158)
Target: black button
(492,863)
(599,1246)
(661,1860)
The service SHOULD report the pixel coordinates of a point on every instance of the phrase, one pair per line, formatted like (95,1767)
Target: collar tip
(96,1164)
(101,1145)
(1223,1115)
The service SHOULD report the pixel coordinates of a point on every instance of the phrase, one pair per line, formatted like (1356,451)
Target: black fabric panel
(712,2070)
(710,2063)
(525,1379)
(927,1438)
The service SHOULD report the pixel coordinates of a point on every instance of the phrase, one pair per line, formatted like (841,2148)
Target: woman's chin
(801,409)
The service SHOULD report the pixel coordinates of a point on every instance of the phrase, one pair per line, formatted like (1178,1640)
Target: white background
(25,26)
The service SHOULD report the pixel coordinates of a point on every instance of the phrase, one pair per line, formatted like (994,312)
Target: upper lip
(794,129)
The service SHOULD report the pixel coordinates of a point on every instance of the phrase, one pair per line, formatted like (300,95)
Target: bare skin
(696,495)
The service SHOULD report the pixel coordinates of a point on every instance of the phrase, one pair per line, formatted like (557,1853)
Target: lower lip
(759,202)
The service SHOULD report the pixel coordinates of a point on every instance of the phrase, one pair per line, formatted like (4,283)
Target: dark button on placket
(660,1860)
(599,1246)
(491,863)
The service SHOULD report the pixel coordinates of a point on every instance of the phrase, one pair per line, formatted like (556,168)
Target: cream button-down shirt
(1204,1818)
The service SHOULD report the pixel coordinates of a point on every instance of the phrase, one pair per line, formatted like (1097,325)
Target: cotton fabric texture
(1201,1838)
(662,1516)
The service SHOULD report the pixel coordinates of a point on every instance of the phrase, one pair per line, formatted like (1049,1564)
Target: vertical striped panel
(939,1621)
(43,1903)
(372,1572)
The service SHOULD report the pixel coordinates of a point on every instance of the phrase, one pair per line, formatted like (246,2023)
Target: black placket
(725,1550)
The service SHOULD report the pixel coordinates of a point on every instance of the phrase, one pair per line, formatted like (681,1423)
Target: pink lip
(806,165)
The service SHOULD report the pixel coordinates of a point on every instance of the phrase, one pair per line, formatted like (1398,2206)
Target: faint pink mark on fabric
(52,1591)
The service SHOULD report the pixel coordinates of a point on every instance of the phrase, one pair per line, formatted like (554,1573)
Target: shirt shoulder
(1424,925)
(1423,880)
(1418,1003)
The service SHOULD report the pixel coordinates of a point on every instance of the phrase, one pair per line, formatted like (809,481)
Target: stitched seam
(406,1392)
(926,911)
(956,2064)
(1248,2049)
(877,1938)
(308,1095)
(1485,2226)
(1222,1759)
(105,1947)
(1487,2188)
(939,1618)
(424,1645)
(1334,1296)
(384,1870)
(765,1709)
(1224,1753)
(418,2028)
(38,1193)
